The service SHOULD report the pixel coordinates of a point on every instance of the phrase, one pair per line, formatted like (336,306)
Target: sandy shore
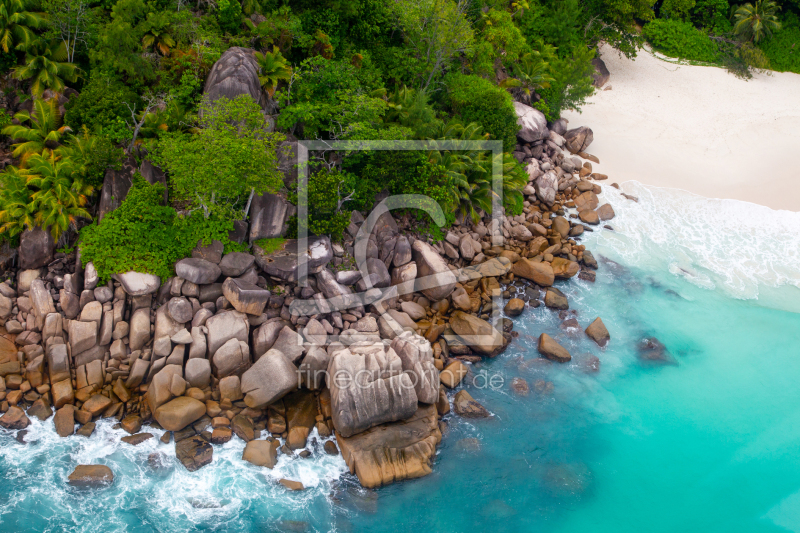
(700,129)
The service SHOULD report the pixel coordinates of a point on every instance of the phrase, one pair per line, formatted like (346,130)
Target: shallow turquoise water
(707,443)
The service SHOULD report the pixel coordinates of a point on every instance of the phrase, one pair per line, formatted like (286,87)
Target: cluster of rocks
(248,345)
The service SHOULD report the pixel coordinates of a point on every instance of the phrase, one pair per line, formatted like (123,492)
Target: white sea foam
(174,498)
(734,245)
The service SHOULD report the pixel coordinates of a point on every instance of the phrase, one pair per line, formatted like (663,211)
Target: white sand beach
(695,128)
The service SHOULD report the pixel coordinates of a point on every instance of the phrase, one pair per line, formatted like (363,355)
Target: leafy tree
(39,132)
(119,42)
(229,14)
(46,67)
(60,197)
(103,102)
(572,82)
(272,69)
(677,9)
(327,192)
(500,43)
(232,155)
(17,25)
(69,22)
(437,31)
(754,22)
(332,99)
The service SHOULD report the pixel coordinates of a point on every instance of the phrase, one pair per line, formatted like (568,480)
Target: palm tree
(16,24)
(756,21)
(42,135)
(532,72)
(59,198)
(46,67)
(17,209)
(159,39)
(410,108)
(273,68)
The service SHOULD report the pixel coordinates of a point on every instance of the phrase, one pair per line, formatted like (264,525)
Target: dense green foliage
(478,100)
(231,156)
(144,236)
(328,70)
(680,39)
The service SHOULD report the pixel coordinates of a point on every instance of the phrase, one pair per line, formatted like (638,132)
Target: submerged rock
(652,351)
(465,405)
(194,452)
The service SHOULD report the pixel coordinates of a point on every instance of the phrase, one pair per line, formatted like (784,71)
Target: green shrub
(144,236)
(783,50)
(100,105)
(478,100)
(680,39)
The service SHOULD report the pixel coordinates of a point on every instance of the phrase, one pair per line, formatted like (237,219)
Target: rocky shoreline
(234,346)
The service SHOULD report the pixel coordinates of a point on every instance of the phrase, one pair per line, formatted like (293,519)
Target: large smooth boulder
(377,273)
(235,73)
(266,335)
(540,273)
(232,358)
(138,283)
(269,214)
(244,296)
(14,418)
(236,263)
(198,271)
(598,333)
(532,123)
(82,336)
(179,413)
(393,452)
(269,379)
(180,310)
(601,74)
(476,333)
(552,350)
(224,327)
(564,268)
(546,187)
(35,248)
(91,476)
(284,263)
(198,372)
(368,389)
(139,329)
(261,453)
(416,354)
(434,278)
(314,367)
(578,139)
(290,344)
(116,184)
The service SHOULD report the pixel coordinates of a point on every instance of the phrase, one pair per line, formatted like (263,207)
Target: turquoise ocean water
(707,441)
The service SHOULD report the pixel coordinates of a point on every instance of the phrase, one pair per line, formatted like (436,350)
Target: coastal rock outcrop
(393,452)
